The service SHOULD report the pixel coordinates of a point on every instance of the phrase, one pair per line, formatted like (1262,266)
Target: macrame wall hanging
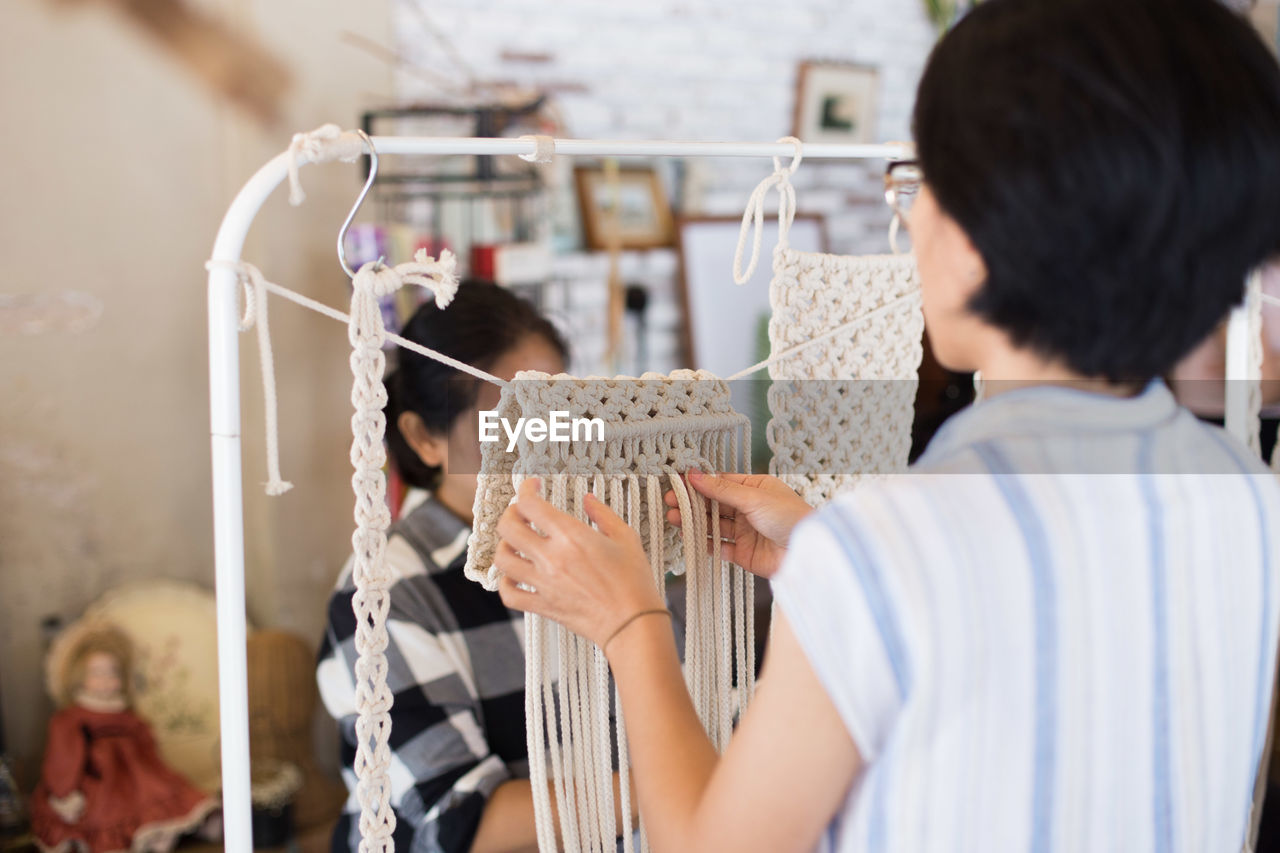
(655,428)
(840,411)
(843,412)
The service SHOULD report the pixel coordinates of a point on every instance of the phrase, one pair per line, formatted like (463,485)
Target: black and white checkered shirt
(456,668)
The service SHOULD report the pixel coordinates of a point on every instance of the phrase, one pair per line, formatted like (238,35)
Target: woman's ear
(975,268)
(431,449)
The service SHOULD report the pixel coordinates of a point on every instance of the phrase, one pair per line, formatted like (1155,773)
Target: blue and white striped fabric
(1057,632)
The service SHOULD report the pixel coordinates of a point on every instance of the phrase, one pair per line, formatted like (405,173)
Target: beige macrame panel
(655,428)
(826,436)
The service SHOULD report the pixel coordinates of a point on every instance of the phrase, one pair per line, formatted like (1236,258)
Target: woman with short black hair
(1058,631)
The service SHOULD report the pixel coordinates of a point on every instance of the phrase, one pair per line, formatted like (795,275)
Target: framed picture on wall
(633,202)
(836,103)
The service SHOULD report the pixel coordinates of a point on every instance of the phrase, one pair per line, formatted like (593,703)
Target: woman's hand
(757,513)
(589,580)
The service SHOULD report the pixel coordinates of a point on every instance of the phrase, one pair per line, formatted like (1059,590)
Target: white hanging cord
(537,681)
(602,697)
(694,580)
(370,571)
(724,602)
(244,268)
(781,178)
(544,149)
(624,762)
(322,145)
(255,314)
(831,333)
(372,577)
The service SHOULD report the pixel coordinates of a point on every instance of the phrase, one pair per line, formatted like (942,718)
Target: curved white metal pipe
(228,506)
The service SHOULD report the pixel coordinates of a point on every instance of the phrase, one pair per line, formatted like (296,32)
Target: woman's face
(101,676)
(951,271)
(533,352)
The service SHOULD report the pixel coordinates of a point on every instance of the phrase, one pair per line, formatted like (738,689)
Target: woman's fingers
(515,597)
(534,508)
(729,490)
(605,519)
(728,532)
(727,518)
(514,566)
(514,529)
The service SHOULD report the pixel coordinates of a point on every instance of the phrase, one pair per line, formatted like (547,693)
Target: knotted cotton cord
(423,271)
(781,179)
(624,759)
(370,572)
(255,314)
(322,145)
(861,319)
(372,600)
(544,149)
(423,266)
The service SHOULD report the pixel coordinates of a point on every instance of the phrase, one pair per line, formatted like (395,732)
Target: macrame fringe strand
(571,743)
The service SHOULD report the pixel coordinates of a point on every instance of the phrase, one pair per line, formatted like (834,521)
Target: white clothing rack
(224,397)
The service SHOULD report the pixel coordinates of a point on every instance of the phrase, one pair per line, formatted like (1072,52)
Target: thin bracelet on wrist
(633,617)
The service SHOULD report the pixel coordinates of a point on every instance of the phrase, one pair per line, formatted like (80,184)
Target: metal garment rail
(224,398)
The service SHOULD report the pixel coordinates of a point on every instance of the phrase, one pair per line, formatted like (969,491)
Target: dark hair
(482,323)
(1115,162)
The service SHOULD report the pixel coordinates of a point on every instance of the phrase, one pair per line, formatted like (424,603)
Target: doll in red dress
(103,786)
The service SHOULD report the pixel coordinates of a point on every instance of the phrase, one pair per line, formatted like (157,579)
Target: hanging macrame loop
(322,145)
(754,214)
(796,158)
(255,315)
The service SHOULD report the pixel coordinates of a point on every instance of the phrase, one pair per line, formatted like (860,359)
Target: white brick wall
(693,69)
